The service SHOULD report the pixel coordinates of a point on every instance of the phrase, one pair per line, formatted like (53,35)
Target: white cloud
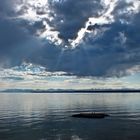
(28,10)
(104,18)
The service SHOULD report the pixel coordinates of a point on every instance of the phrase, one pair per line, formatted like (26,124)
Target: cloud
(63,22)
(70,16)
(83,38)
(30,76)
(15,43)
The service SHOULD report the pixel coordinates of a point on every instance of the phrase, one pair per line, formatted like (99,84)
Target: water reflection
(47,116)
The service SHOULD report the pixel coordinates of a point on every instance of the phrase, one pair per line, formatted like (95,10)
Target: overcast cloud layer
(84,37)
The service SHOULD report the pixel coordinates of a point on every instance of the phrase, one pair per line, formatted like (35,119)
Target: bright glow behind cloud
(28,11)
(35,11)
(105,18)
(40,11)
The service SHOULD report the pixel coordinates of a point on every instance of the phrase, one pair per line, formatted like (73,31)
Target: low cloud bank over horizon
(97,38)
(29,77)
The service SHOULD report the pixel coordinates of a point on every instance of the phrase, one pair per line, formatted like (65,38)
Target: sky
(68,44)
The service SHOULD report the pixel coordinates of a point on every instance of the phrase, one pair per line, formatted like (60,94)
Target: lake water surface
(48,116)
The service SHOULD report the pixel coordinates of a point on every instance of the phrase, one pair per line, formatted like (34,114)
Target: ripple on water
(43,119)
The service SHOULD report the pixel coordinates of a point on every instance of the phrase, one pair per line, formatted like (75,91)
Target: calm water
(47,117)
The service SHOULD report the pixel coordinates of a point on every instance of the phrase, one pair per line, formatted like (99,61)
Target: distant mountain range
(70,90)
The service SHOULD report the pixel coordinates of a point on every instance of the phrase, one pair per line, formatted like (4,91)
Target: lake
(48,116)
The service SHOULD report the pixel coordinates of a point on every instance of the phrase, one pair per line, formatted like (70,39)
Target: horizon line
(69,90)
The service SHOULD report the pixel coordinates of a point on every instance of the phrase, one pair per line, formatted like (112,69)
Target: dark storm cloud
(15,43)
(6,8)
(121,11)
(70,16)
(111,53)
